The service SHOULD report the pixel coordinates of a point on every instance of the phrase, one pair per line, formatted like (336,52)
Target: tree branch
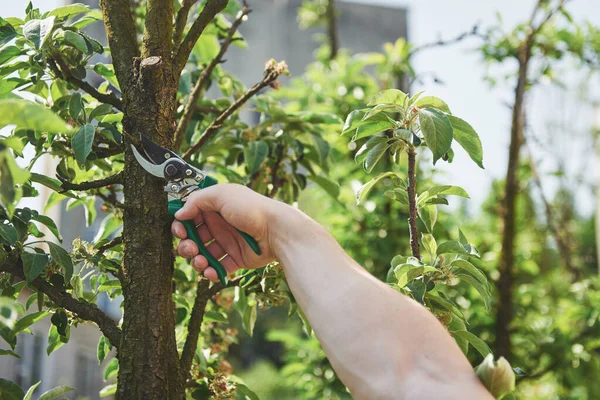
(114,242)
(412,205)
(203,294)
(65,73)
(181,21)
(474,32)
(332,30)
(122,38)
(100,183)
(272,73)
(563,247)
(190,107)
(84,310)
(208,13)
(158,26)
(191,342)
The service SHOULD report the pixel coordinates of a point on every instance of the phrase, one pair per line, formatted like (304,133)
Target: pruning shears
(182,180)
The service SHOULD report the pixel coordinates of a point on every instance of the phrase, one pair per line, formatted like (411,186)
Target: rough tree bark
(149,365)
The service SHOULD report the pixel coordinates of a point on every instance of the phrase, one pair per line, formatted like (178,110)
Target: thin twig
(181,21)
(208,13)
(100,183)
(563,247)
(270,77)
(412,205)
(112,200)
(474,32)
(114,242)
(199,87)
(65,73)
(332,30)
(84,310)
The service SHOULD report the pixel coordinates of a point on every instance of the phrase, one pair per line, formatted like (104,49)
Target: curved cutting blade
(156,170)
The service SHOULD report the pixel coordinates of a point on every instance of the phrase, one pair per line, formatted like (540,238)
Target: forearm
(381,344)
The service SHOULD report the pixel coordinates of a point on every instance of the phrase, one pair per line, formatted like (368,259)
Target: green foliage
(294,153)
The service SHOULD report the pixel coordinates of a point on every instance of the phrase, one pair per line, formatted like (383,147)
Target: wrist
(290,227)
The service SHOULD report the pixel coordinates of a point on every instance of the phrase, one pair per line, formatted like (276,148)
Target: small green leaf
(483,291)
(81,142)
(62,258)
(353,121)
(215,316)
(390,96)
(66,12)
(75,105)
(27,321)
(76,40)
(430,245)
(363,192)
(102,350)
(374,155)
(9,234)
(462,239)
(249,319)
(77,285)
(108,390)
(28,115)
(451,246)
(10,390)
(448,190)
(428,215)
(477,343)
(56,392)
(54,340)
(466,136)
(50,183)
(111,369)
(247,392)
(50,224)
(8,53)
(9,353)
(433,102)
(457,324)
(400,195)
(362,153)
(331,187)
(437,131)
(472,270)
(255,154)
(321,147)
(378,123)
(7,33)
(37,30)
(33,264)
(30,391)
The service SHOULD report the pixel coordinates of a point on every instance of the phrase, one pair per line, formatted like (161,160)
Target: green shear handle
(192,233)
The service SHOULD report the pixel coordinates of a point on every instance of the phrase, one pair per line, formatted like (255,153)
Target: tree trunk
(504,312)
(148,358)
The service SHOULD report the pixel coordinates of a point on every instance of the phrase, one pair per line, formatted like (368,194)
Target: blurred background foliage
(249,335)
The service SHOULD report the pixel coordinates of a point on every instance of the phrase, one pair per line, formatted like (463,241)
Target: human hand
(240,208)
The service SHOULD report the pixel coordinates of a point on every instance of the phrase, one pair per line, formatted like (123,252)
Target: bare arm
(382,344)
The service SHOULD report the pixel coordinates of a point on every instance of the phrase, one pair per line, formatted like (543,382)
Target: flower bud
(498,377)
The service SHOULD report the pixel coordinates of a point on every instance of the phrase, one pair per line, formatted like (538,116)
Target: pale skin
(382,344)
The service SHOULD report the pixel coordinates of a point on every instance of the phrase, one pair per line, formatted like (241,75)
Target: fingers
(178,229)
(200,264)
(201,200)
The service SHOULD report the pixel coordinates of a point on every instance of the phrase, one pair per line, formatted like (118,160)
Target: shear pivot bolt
(171,170)
(188,172)
(174,188)
(167,155)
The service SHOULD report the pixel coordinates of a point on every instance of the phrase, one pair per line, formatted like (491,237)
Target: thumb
(208,199)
